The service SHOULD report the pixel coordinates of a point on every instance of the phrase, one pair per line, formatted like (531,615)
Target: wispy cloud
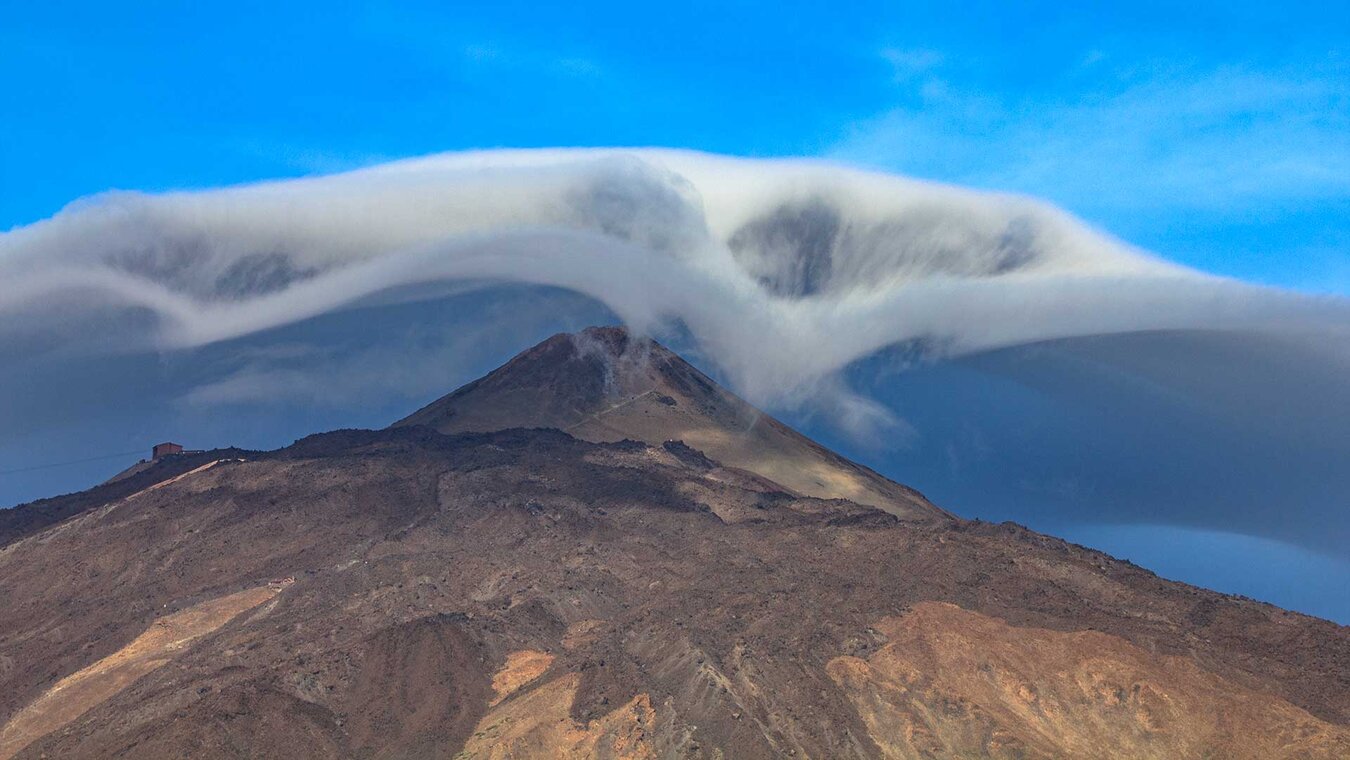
(407,362)
(500,55)
(439,40)
(1133,139)
(308,159)
(908,63)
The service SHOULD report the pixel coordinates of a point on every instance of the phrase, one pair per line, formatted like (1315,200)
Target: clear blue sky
(1215,134)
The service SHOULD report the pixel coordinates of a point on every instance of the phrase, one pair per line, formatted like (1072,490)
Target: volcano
(596,551)
(603,386)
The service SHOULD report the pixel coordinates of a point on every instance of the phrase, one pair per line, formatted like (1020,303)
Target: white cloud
(409,361)
(782,272)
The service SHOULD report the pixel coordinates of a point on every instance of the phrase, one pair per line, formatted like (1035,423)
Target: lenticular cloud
(782,272)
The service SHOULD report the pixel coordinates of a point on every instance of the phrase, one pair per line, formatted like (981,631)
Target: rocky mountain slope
(633,581)
(600,385)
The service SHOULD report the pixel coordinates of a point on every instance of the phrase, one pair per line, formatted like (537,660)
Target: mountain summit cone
(604,384)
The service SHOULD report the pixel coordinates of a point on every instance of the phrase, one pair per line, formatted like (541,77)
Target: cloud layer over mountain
(827,293)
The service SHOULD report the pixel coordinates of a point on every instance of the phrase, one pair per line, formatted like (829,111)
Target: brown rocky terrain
(602,587)
(601,386)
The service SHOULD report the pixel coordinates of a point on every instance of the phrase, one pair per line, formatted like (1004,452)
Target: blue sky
(1213,134)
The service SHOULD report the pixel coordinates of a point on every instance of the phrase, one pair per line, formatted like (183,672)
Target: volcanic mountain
(595,551)
(601,385)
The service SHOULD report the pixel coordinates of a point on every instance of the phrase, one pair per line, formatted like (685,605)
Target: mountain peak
(555,384)
(616,336)
(605,384)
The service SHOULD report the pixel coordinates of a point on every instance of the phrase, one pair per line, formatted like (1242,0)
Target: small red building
(165,449)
